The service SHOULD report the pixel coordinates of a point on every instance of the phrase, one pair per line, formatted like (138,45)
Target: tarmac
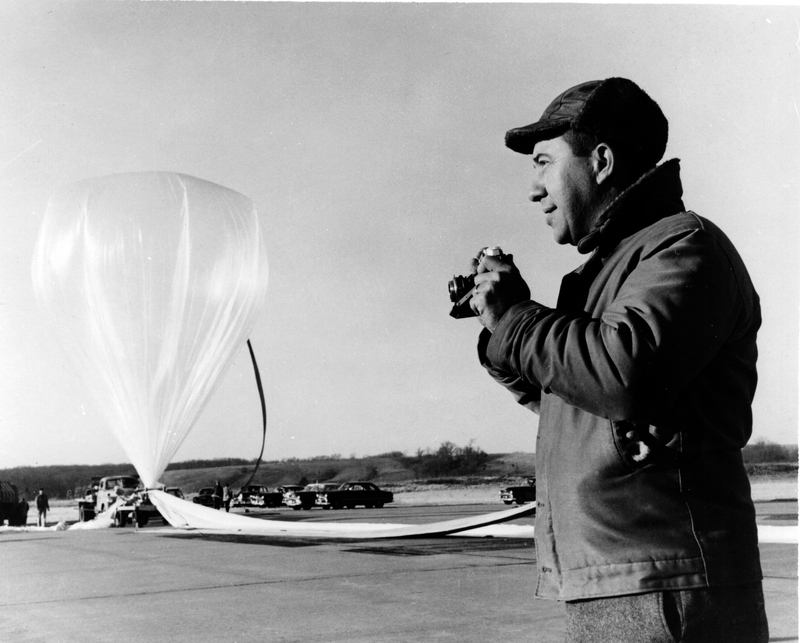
(158,584)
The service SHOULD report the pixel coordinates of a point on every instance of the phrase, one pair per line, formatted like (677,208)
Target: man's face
(565,186)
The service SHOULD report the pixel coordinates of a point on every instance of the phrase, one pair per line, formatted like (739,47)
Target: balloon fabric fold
(153,282)
(189,516)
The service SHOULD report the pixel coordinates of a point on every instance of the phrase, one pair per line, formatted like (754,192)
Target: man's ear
(603,162)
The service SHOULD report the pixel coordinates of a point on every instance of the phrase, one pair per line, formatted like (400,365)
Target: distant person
(226,498)
(42,506)
(217,495)
(23,511)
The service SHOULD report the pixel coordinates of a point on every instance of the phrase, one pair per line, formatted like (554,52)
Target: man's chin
(561,238)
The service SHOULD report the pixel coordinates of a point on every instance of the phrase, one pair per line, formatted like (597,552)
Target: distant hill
(383,470)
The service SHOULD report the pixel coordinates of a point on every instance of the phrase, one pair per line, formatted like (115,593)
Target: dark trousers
(716,615)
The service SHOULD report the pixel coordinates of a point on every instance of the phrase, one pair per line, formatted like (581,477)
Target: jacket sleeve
(677,303)
(524,393)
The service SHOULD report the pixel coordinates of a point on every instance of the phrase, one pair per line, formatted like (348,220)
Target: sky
(370,137)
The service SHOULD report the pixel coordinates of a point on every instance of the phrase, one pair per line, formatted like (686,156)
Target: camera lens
(460,286)
(453,288)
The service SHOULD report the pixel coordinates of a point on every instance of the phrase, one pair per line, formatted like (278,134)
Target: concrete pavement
(153,585)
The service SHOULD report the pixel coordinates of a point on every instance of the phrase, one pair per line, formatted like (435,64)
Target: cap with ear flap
(616,109)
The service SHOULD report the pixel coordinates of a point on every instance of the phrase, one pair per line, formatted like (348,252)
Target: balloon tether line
(263,412)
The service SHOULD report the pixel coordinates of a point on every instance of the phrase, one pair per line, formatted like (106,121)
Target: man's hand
(498,286)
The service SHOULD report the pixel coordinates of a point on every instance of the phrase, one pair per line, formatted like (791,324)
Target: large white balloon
(154,281)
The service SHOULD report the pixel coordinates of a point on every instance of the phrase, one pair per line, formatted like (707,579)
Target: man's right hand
(498,286)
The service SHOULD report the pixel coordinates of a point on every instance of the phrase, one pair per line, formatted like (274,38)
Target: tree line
(447,460)
(763,451)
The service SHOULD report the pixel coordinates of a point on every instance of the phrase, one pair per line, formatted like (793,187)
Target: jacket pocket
(640,444)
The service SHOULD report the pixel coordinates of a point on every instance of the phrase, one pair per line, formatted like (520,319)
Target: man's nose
(537,190)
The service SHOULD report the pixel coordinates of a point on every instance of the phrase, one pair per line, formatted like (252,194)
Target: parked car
(205,497)
(352,494)
(285,488)
(175,491)
(306,497)
(520,494)
(256,495)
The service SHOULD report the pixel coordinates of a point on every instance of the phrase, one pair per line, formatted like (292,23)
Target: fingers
(486,276)
(485,290)
(484,301)
(497,286)
(473,304)
(500,263)
(489,258)
(495,264)
(475,264)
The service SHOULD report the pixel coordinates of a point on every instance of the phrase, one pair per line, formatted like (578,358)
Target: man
(643,375)
(42,506)
(23,511)
(217,495)
(226,498)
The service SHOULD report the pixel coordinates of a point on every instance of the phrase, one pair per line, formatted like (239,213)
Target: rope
(263,412)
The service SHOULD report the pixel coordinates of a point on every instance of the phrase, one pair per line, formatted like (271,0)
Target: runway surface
(154,585)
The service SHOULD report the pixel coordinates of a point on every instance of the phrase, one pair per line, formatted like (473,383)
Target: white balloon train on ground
(190,516)
(153,281)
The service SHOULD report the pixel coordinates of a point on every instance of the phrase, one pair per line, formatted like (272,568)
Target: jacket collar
(655,195)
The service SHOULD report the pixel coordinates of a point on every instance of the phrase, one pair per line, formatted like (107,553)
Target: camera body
(460,293)
(462,287)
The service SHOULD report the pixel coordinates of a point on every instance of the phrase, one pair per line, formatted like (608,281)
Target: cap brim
(523,139)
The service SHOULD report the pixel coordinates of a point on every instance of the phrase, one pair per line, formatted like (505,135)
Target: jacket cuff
(497,340)
(483,342)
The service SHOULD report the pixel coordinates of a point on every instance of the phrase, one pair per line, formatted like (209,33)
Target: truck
(105,492)
(11,509)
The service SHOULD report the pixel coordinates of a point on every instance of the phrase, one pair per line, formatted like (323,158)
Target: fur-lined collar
(655,195)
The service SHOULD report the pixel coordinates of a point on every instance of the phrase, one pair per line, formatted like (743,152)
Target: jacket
(643,376)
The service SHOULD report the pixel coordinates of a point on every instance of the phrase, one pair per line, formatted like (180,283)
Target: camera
(461,287)
(460,293)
